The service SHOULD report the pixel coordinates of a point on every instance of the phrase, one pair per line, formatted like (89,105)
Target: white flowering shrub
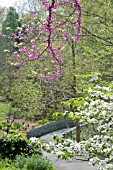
(95,109)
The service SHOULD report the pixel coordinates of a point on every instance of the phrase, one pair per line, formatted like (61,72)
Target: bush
(34,162)
(17,145)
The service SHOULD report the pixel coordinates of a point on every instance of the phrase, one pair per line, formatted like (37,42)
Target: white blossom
(33,139)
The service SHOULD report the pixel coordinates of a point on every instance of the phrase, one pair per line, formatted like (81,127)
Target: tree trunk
(74,65)
(77,132)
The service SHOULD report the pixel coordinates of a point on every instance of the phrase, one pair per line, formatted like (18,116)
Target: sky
(7,3)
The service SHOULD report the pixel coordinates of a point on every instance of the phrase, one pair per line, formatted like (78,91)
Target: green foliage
(9,127)
(57,116)
(94,50)
(34,162)
(23,92)
(17,144)
(4,108)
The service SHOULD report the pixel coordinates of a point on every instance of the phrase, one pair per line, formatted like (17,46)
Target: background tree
(9,26)
(94,50)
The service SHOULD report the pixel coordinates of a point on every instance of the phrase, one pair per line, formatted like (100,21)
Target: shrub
(34,162)
(16,145)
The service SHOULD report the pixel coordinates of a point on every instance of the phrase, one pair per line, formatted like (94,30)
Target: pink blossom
(43,40)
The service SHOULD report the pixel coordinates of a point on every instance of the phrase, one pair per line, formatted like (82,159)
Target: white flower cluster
(97,109)
(33,139)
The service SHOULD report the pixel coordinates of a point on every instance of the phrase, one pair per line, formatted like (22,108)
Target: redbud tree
(46,39)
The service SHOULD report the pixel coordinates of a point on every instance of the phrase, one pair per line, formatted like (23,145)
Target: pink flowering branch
(53,30)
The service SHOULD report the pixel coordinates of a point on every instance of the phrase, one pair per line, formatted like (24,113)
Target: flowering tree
(96,109)
(46,38)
